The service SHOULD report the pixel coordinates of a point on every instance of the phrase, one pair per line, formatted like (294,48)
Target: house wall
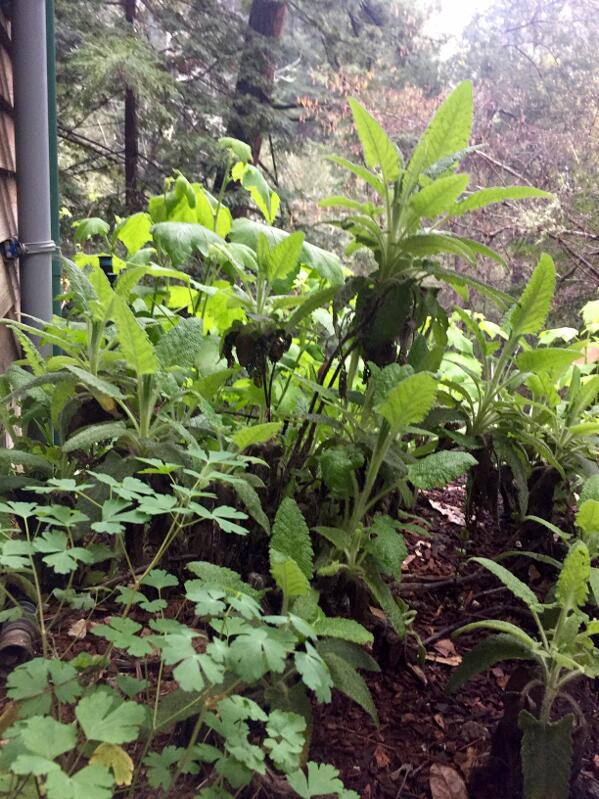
(9,287)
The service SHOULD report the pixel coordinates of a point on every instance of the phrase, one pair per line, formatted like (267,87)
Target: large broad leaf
(379,150)
(486,654)
(135,231)
(424,245)
(439,469)
(387,546)
(410,401)
(496,194)
(531,310)
(135,344)
(282,259)
(291,537)
(324,263)
(515,585)
(572,587)
(448,133)
(179,240)
(546,757)
(87,228)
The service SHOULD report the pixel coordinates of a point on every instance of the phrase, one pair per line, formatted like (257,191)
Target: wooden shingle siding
(9,288)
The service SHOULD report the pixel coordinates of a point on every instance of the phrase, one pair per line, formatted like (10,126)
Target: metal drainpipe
(53,144)
(30,76)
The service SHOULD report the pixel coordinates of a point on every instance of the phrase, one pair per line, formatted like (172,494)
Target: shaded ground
(421,725)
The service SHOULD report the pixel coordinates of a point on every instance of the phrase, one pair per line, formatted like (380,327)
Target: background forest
(147,86)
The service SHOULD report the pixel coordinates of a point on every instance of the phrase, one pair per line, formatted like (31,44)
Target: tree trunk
(131,136)
(255,83)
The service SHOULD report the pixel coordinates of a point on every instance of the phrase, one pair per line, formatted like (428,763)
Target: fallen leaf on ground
(381,758)
(446,783)
(446,647)
(78,629)
(466,760)
(440,721)
(501,677)
(454,515)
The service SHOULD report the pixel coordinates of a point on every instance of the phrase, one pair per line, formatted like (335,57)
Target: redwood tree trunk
(131,134)
(253,92)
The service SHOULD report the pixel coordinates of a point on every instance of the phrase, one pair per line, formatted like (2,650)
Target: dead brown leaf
(501,677)
(446,783)
(380,756)
(453,515)
(78,629)
(466,760)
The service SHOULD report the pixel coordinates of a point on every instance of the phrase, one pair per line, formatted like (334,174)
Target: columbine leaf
(160,766)
(117,760)
(259,650)
(48,738)
(122,633)
(92,782)
(286,739)
(314,672)
(103,720)
(322,780)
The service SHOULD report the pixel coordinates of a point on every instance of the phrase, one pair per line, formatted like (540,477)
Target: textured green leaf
(410,401)
(587,518)
(546,757)
(288,576)
(346,629)
(572,587)
(135,344)
(439,469)
(253,505)
(487,653)
(496,194)
(93,434)
(291,537)
(255,434)
(438,196)
(347,680)
(447,133)
(179,347)
(515,585)
(590,489)
(283,258)
(379,150)
(387,546)
(531,310)
(553,360)
(338,465)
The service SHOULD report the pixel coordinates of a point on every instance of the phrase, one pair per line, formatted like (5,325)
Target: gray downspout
(33,161)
